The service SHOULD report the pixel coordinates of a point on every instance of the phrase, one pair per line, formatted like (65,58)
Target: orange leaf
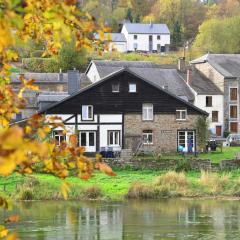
(106,169)
(13,218)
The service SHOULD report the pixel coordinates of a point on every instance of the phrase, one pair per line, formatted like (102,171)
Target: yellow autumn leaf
(65,189)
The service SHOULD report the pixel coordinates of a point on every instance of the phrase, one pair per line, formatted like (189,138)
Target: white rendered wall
(104,133)
(111,118)
(143,41)
(217,105)
(118,46)
(93,73)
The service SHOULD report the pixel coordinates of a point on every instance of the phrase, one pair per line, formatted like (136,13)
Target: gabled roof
(161,75)
(115,37)
(115,74)
(202,85)
(226,64)
(150,28)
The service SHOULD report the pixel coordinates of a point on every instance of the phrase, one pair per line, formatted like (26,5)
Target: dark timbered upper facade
(124,109)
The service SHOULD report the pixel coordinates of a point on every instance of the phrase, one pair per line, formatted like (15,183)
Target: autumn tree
(21,147)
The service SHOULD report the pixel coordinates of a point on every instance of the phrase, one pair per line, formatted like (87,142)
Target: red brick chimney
(189,76)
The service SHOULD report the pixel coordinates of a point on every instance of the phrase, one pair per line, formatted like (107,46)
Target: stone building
(223,70)
(124,110)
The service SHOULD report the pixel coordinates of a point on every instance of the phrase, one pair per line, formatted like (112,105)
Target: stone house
(223,70)
(124,109)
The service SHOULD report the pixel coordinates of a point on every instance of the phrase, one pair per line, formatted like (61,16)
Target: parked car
(232,140)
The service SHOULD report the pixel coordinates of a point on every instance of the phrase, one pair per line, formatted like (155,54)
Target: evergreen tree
(129,15)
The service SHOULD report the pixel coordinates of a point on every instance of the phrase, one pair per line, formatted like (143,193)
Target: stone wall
(172,164)
(164,128)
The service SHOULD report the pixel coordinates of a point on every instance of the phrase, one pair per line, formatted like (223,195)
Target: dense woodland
(201,23)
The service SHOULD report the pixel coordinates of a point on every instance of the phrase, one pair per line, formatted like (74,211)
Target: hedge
(40,64)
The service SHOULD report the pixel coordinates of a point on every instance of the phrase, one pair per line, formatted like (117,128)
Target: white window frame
(230,94)
(135,46)
(87,113)
(181,115)
(184,134)
(55,134)
(118,87)
(114,132)
(148,107)
(147,134)
(132,90)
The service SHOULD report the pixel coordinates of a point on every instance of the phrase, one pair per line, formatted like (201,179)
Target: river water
(148,220)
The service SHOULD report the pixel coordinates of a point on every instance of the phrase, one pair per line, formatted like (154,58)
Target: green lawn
(227,153)
(47,187)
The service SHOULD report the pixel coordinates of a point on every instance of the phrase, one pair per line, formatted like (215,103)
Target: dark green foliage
(69,57)
(40,64)
(177,34)
(183,165)
(36,53)
(129,15)
(202,131)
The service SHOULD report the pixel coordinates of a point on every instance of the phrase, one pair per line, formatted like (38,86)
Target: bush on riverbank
(143,184)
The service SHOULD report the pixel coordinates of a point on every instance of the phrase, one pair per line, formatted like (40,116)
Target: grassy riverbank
(133,184)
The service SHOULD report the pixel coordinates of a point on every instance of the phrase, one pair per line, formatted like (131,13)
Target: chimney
(150,24)
(189,76)
(73,81)
(60,75)
(181,64)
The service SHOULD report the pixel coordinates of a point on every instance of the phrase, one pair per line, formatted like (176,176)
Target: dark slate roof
(115,37)
(202,85)
(226,64)
(39,77)
(147,28)
(52,96)
(114,74)
(157,74)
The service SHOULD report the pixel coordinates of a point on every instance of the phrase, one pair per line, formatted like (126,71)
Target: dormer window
(87,112)
(132,87)
(115,87)
(181,115)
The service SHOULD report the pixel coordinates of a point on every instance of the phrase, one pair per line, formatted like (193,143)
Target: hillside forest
(201,23)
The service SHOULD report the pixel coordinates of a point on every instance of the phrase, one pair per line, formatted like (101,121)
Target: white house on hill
(140,37)
(146,37)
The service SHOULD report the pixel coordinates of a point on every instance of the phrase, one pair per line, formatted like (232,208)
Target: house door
(88,140)
(150,43)
(219,131)
(186,140)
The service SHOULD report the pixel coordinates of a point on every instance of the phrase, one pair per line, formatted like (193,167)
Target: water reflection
(165,219)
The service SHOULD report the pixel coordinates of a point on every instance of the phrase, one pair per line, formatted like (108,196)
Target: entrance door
(186,140)
(88,140)
(150,43)
(219,131)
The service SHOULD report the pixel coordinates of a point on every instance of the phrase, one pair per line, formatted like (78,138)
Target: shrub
(183,165)
(213,181)
(140,191)
(26,194)
(93,192)
(40,64)
(172,180)
(36,53)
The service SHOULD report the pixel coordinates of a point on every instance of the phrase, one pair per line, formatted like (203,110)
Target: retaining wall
(171,164)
